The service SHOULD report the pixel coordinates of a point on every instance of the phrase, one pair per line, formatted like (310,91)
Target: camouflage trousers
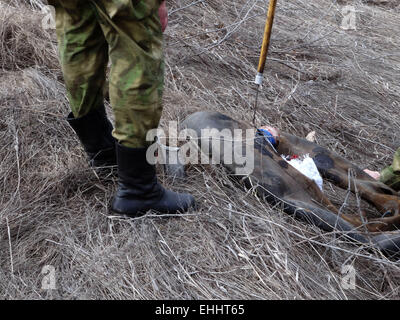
(391,175)
(128,33)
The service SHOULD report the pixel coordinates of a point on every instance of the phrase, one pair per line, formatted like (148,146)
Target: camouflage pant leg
(83,53)
(133,31)
(391,175)
(130,30)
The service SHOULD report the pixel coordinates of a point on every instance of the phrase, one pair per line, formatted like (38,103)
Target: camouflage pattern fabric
(391,175)
(129,33)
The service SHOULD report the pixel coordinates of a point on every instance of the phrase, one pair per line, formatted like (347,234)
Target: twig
(185,7)
(10,247)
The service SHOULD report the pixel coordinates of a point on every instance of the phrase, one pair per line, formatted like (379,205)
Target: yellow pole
(266,41)
(264,52)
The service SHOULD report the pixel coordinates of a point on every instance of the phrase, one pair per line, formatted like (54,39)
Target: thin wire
(255,106)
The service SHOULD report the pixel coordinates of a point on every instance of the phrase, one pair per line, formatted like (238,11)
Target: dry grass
(53,209)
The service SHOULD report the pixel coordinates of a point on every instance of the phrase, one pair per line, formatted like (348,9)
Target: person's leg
(135,39)
(133,32)
(84,55)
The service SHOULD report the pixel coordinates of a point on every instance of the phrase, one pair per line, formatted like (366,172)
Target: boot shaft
(94,130)
(136,173)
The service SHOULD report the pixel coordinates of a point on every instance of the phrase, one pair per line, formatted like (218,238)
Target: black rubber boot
(94,132)
(138,187)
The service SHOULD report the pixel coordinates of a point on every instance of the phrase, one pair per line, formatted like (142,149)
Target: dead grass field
(345,85)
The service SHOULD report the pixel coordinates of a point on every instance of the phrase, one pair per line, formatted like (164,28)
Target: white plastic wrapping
(307,167)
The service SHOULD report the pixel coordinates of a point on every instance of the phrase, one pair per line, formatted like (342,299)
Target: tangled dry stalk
(53,209)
